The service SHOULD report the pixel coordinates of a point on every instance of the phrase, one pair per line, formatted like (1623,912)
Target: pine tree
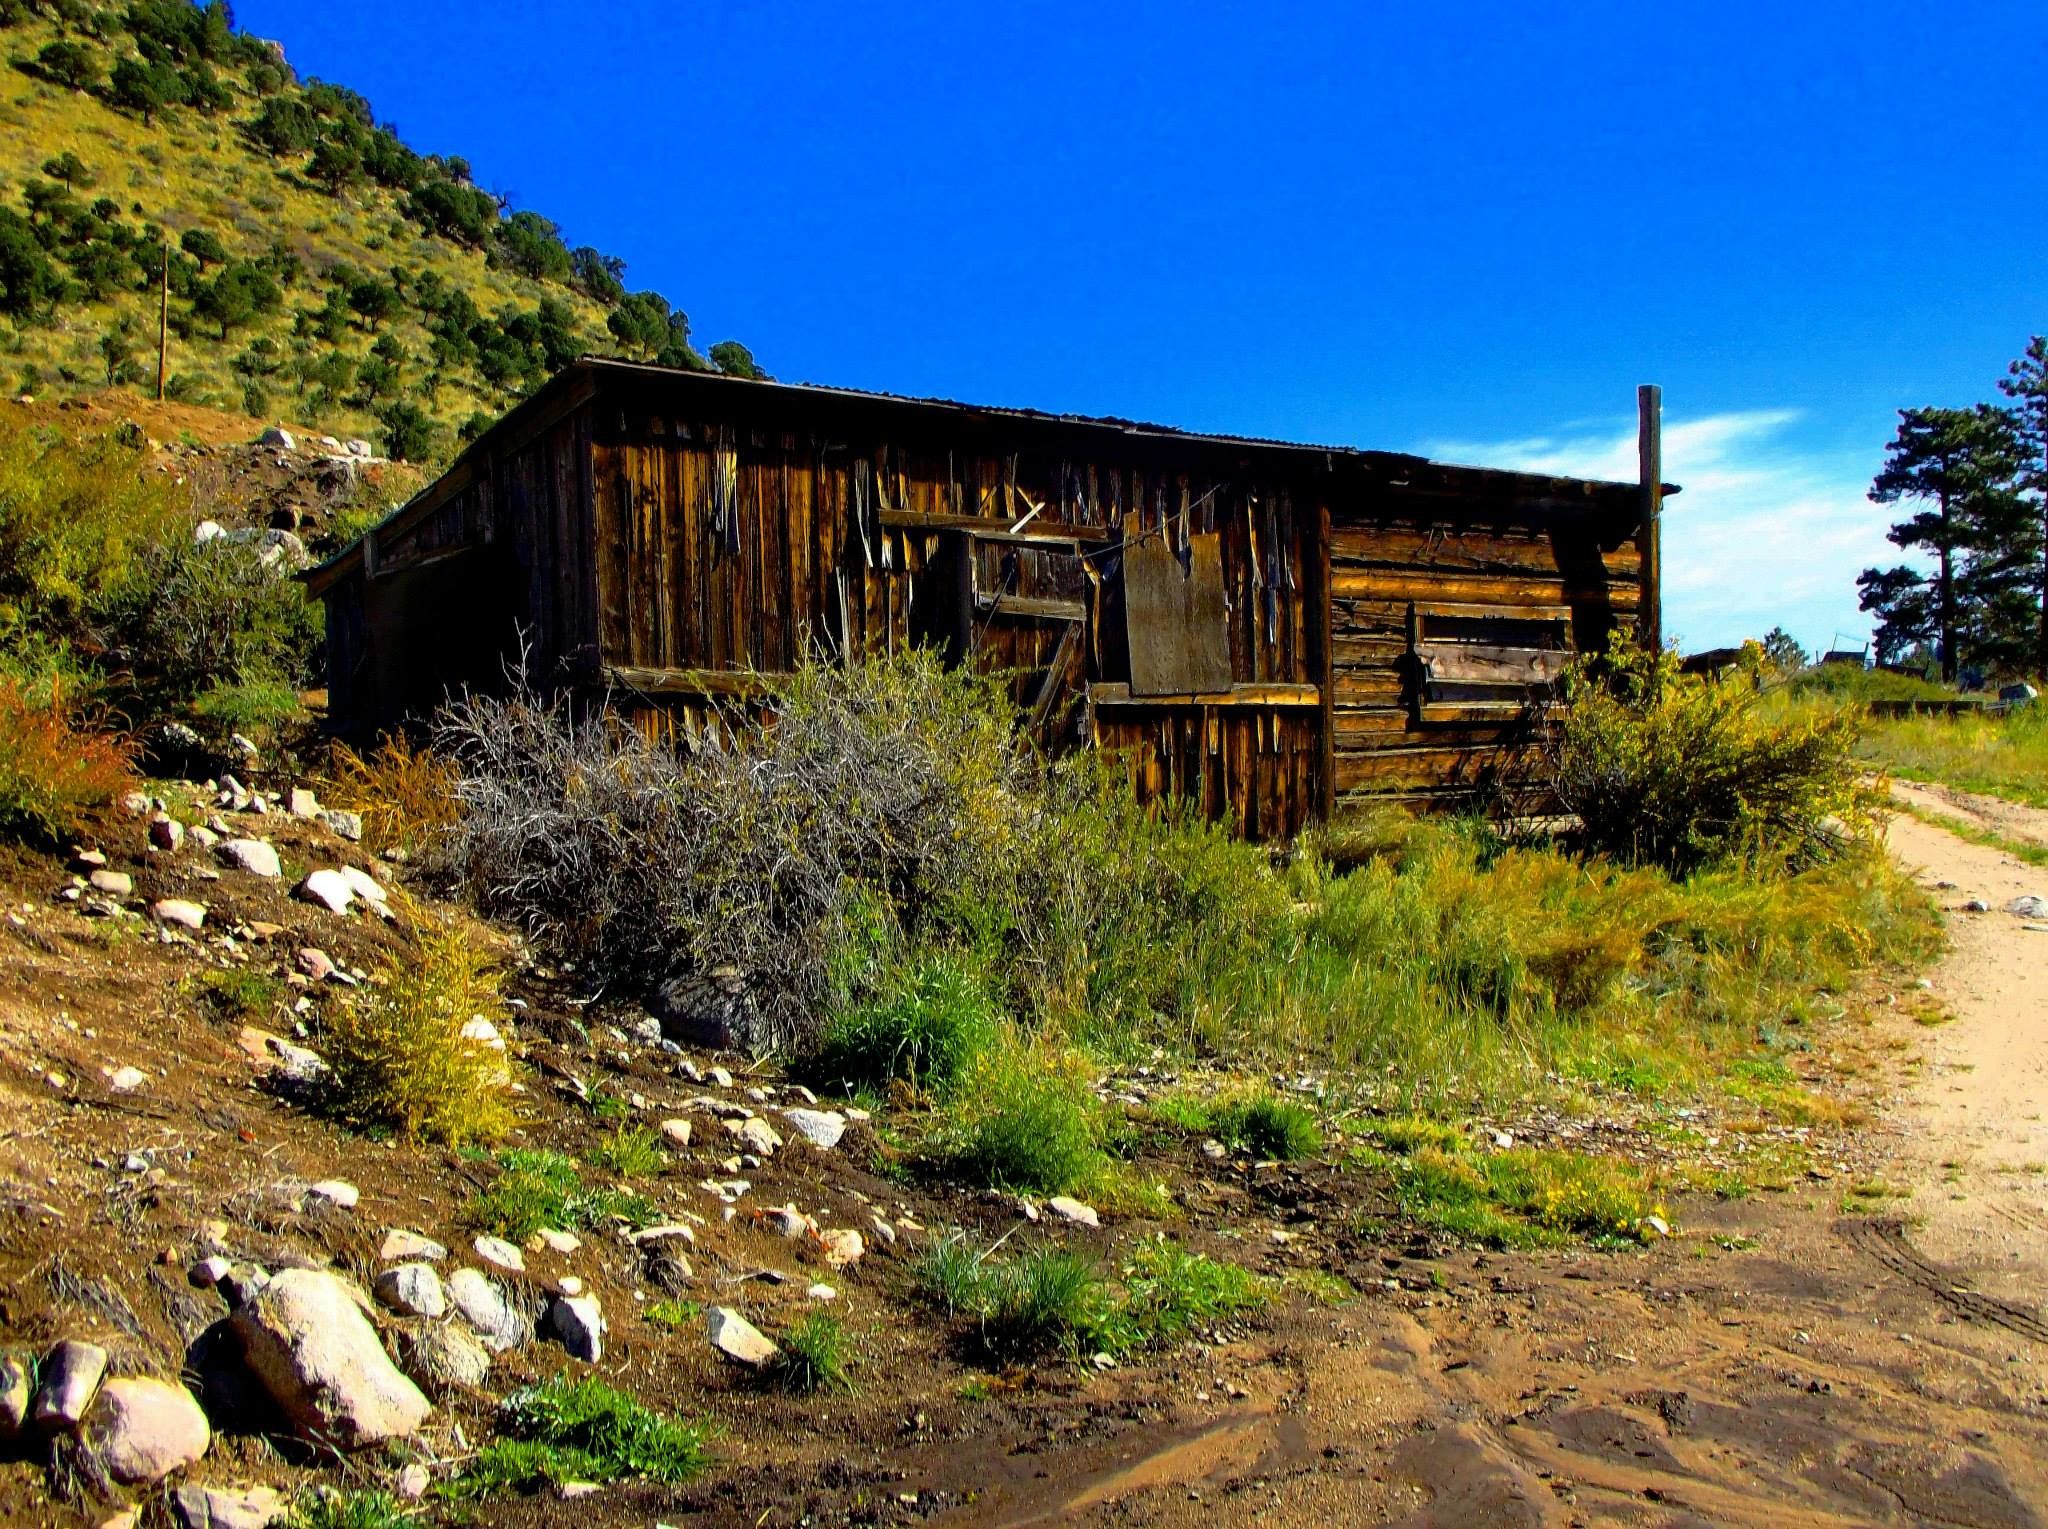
(1962,462)
(2026,384)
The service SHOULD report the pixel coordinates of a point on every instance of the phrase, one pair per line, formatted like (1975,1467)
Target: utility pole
(1650,504)
(163,324)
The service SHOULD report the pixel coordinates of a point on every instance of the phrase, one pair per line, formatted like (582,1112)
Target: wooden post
(163,324)
(1649,530)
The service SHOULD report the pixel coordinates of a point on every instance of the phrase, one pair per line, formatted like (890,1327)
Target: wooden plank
(1108,695)
(1464,547)
(1326,668)
(994,528)
(1026,608)
(689,682)
(1473,589)
(1477,663)
(1416,766)
(1466,612)
(1177,623)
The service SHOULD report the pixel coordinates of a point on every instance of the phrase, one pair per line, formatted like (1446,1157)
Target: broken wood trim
(989,528)
(1029,608)
(1236,695)
(704,682)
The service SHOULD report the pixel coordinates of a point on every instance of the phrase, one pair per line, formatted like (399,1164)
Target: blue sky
(1462,229)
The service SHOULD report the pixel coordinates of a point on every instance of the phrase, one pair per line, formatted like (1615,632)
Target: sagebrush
(54,772)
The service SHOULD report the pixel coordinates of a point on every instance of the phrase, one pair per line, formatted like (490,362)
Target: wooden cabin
(1268,628)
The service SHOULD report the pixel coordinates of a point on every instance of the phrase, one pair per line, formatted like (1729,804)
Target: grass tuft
(537,1187)
(1267,1126)
(583,1430)
(816,1356)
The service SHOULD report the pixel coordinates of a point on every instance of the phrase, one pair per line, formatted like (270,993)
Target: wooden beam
(987,528)
(1026,608)
(1650,500)
(1236,695)
(705,682)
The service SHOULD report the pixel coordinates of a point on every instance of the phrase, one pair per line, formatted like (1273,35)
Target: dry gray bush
(740,860)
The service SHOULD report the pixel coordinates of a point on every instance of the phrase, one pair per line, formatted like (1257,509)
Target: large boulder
(309,1343)
(140,1430)
(444,1355)
(484,1306)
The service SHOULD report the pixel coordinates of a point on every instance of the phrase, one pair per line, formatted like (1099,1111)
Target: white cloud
(1763,535)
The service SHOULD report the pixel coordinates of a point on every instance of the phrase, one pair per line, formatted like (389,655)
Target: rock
(2032,905)
(70,1377)
(126,1080)
(343,824)
(564,1243)
(822,1293)
(484,1307)
(738,1339)
(410,1246)
(87,860)
(295,1062)
(756,1135)
(206,531)
(208,1272)
(724,1109)
(203,836)
(1655,1225)
(314,963)
(788,1221)
(672,1232)
(1503,1141)
(883,1230)
(14,1396)
(253,856)
(720,1076)
(843,1247)
(483,1032)
(412,1483)
(365,886)
(320,1359)
(1214,1150)
(577,1323)
(338,1192)
(278,438)
(360,449)
(179,913)
(202,1507)
(1069,1209)
(141,1430)
(166,834)
(300,802)
(327,889)
(676,1132)
(444,1355)
(2021,692)
(710,1009)
(242,1283)
(821,1128)
(412,1290)
(496,1250)
(127,1518)
(569,1284)
(113,883)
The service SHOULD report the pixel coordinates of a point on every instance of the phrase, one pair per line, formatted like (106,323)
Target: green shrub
(1683,771)
(562,1430)
(255,708)
(925,1024)
(1169,1291)
(1267,1126)
(537,1187)
(1025,1120)
(629,1153)
(399,1056)
(54,773)
(331,1508)
(815,1356)
(213,616)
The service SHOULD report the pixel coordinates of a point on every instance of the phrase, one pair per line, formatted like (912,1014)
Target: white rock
(496,1250)
(400,1243)
(756,1135)
(676,1132)
(883,1230)
(2032,905)
(208,530)
(14,1396)
(788,1221)
(203,1507)
(278,438)
(140,1430)
(253,856)
(178,912)
(338,1192)
(413,1482)
(315,1352)
(821,1128)
(69,1379)
(343,824)
(843,1247)
(166,834)
(738,1339)
(328,889)
(364,885)
(113,883)
(721,1077)
(412,1290)
(674,1231)
(300,802)
(484,1306)
(1657,1225)
(440,1354)
(1069,1209)
(822,1293)
(126,1080)
(558,1242)
(577,1323)
(208,1272)
(483,1032)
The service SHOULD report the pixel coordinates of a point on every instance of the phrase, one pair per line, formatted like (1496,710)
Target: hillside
(319,269)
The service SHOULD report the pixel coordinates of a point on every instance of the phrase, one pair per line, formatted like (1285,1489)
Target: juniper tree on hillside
(2026,384)
(1963,464)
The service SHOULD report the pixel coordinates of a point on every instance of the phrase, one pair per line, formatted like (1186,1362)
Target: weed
(562,1430)
(948,1273)
(1322,1287)
(1168,1291)
(927,1022)
(537,1187)
(815,1355)
(1523,1197)
(399,1053)
(1268,1126)
(630,1153)
(1025,1121)
(1046,1299)
(672,1315)
(329,1508)
(406,795)
(54,772)
(240,993)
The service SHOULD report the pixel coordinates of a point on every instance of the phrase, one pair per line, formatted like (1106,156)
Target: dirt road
(1783,1362)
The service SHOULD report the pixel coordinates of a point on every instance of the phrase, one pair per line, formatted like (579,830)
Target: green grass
(1268,1126)
(561,1430)
(817,1355)
(672,1315)
(1024,1119)
(1049,1300)
(538,1188)
(929,1021)
(1519,1198)
(2004,756)
(329,1508)
(630,1153)
(238,992)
